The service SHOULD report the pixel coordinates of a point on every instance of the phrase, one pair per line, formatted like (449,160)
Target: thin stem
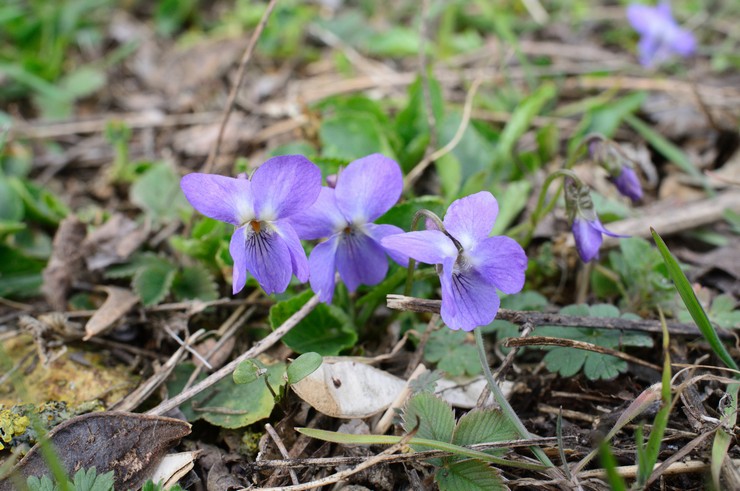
(498,395)
(540,210)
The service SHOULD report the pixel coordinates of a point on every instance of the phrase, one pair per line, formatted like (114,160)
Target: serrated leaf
(41,484)
(327,330)
(452,353)
(434,417)
(152,282)
(90,481)
(469,475)
(483,426)
(158,193)
(569,361)
(195,282)
(303,366)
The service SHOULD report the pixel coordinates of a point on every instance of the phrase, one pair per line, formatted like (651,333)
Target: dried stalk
(520,317)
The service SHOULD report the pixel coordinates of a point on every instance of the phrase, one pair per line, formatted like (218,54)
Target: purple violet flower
(628,183)
(264,242)
(660,35)
(471,265)
(609,155)
(586,226)
(344,215)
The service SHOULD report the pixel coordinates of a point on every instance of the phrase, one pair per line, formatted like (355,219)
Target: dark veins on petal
(259,238)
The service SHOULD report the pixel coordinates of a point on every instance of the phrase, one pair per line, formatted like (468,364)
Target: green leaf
(521,120)
(158,193)
(90,481)
(692,303)
(483,426)
(11,204)
(452,352)
(432,417)
(82,82)
(195,282)
(469,475)
(511,202)
(402,214)
(303,366)
(473,152)
(606,118)
(327,330)
(152,282)
(352,135)
(569,361)
(41,484)
(395,42)
(40,205)
(248,371)
(227,404)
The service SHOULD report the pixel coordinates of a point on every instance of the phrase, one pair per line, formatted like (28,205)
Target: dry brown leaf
(348,389)
(129,444)
(119,301)
(66,264)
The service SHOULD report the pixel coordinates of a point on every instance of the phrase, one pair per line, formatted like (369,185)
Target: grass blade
(692,303)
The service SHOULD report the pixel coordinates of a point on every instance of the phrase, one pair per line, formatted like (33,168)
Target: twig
(405,457)
(138,395)
(339,476)
(281,447)
(208,167)
(416,172)
(224,371)
(571,343)
(400,302)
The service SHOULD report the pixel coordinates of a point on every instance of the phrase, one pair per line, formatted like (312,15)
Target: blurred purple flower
(609,155)
(586,226)
(364,191)
(471,265)
(660,35)
(264,242)
(628,183)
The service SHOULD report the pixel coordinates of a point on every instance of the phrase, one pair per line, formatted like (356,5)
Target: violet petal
(238,254)
(475,301)
(223,198)
(379,232)
(426,246)
(360,260)
(470,219)
(285,185)
(268,259)
(322,264)
(501,262)
(321,219)
(368,187)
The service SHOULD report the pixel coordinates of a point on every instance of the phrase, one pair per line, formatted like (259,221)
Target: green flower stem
(503,403)
(541,210)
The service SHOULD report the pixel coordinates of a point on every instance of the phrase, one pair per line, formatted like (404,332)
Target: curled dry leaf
(174,467)
(66,264)
(131,445)
(114,241)
(119,301)
(348,389)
